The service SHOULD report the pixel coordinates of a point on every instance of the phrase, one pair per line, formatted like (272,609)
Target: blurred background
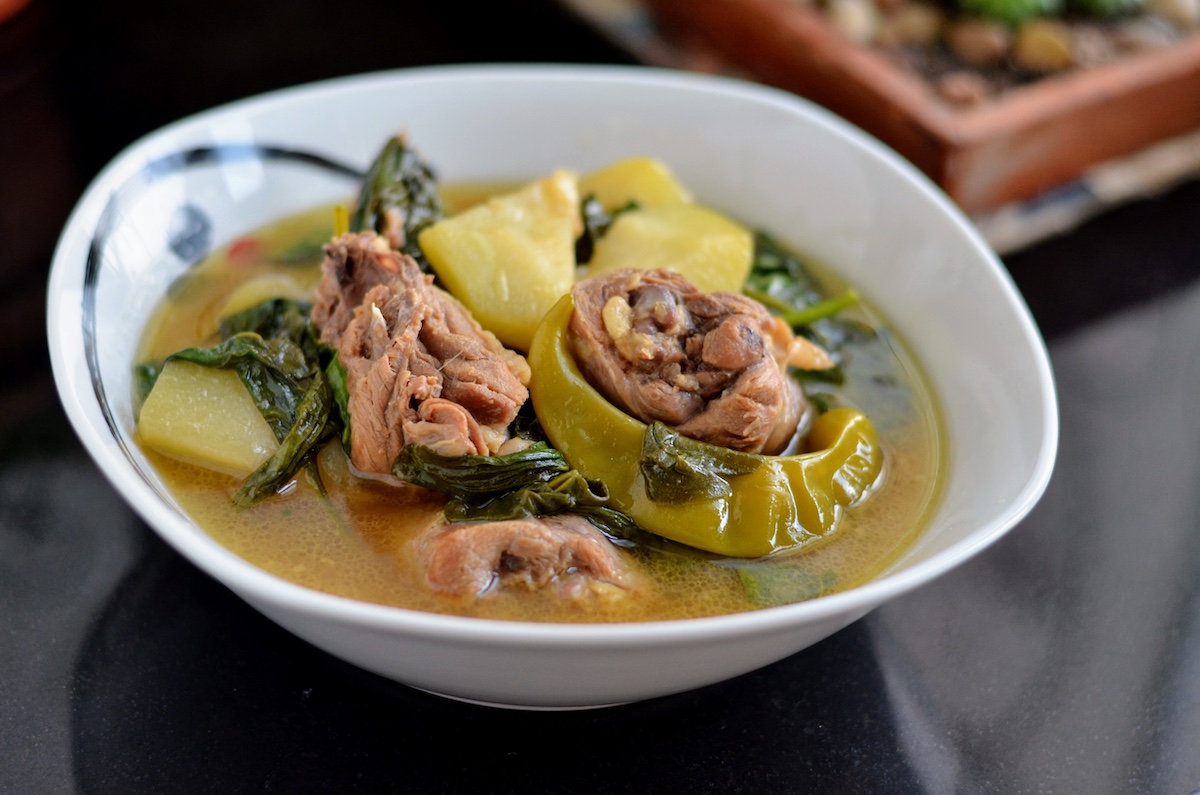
(79,82)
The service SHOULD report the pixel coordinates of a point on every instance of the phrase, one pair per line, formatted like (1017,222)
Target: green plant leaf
(680,469)
(399,186)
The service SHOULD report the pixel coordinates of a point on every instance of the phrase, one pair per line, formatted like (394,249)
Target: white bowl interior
(763,156)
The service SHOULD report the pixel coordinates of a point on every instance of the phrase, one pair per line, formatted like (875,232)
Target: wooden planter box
(1013,147)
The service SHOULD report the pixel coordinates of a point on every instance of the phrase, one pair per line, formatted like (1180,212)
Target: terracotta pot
(1018,145)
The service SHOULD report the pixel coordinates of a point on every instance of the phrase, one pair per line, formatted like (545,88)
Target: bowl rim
(262,588)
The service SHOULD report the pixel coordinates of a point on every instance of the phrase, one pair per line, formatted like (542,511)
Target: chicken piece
(711,365)
(419,368)
(470,560)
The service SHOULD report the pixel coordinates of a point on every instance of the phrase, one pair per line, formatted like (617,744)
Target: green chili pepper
(783,503)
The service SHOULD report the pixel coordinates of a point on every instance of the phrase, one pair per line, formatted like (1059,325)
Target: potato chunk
(206,417)
(705,246)
(641,179)
(512,257)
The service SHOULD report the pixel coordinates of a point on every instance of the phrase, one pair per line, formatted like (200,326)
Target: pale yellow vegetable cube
(512,257)
(709,249)
(206,417)
(641,179)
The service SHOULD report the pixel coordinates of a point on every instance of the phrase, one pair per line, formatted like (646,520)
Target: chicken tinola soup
(589,398)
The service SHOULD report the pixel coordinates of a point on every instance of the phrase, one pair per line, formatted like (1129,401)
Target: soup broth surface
(354,543)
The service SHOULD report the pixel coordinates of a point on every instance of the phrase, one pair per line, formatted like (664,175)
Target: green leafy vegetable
(144,376)
(277,354)
(536,481)
(596,223)
(310,427)
(478,477)
(336,374)
(526,425)
(570,492)
(775,582)
(280,318)
(399,198)
(780,276)
(821,310)
(780,281)
(679,469)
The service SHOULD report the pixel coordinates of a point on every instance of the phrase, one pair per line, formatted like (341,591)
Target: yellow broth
(355,543)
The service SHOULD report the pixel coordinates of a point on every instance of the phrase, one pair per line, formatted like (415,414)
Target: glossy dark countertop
(1066,658)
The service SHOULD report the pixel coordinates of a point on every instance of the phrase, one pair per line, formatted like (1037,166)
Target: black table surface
(1066,658)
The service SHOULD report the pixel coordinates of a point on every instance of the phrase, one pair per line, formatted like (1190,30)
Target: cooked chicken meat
(419,368)
(711,365)
(564,552)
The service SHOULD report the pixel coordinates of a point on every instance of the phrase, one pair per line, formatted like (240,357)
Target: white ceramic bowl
(787,166)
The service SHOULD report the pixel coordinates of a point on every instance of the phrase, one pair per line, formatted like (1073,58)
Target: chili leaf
(820,310)
(570,492)
(527,425)
(589,499)
(781,276)
(536,481)
(783,283)
(399,198)
(144,377)
(311,425)
(478,477)
(680,469)
(276,352)
(596,223)
(336,375)
(276,318)
(775,582)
